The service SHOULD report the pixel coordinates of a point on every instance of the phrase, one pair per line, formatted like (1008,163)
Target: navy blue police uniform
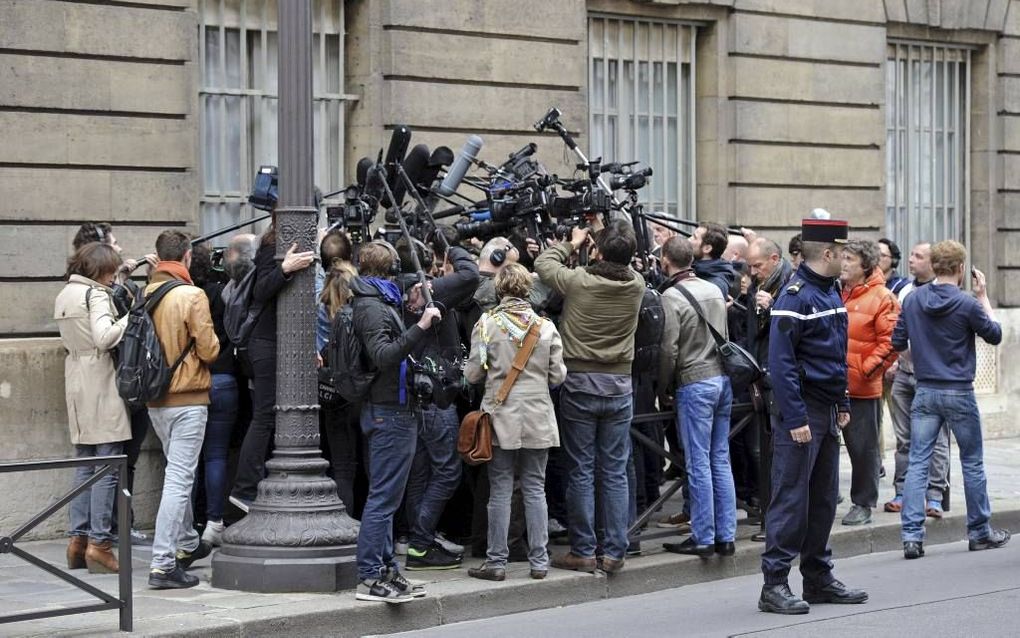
(808,370)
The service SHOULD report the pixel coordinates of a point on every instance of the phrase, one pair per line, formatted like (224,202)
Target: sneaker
(139,538)
(404,586)
(175,578)
(381,591)
(995,540)
(895,505)
(242,504)
(933,509)
(400,546)
(432,557)
(678,520)
(449,546)
(185,559)
(213,533)
(857,516)
(556,528)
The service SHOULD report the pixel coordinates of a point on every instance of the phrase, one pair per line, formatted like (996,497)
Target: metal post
(297,536)
(124,546)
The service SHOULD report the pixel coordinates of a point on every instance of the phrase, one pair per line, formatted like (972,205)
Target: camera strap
(520,360)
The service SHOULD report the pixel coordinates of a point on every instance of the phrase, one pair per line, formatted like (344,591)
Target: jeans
(596,438)
(392,434)
(435,473)
(902,396)
(530,465)
(91,512)
(930,410)
(251,463)
(181,431)
(218,429)
(861,440)
(704,429)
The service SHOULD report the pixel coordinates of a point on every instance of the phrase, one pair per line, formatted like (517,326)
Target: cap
(826,231)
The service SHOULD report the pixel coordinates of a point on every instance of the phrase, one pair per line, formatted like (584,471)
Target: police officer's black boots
(778,599)
(835,593)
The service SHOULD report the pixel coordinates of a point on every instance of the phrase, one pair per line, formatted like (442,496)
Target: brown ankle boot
(76,552)
(100,559)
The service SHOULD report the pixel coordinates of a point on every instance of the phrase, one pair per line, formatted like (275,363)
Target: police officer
(807,364)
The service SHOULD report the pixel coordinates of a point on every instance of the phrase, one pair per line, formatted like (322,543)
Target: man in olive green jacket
(600,315)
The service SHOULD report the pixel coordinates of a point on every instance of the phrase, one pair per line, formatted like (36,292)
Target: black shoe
(995,540)
(433,557)
(835,592)
(725,548)
(690,547)
(176,578)
(778,599)
(185,559)
(913,549)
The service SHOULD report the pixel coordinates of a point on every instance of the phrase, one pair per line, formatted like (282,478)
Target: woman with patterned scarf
(524,426)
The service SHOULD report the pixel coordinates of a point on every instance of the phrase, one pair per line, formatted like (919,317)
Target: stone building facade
(154,113)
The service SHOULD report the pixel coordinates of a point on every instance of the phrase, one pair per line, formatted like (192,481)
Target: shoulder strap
(719,340)
(153,300)
(521,360)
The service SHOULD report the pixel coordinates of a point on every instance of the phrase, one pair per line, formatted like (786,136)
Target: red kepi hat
(826,231)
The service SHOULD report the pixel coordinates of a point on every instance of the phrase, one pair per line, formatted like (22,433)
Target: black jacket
(449,292)
(225,362)
(269,281)
(386,342)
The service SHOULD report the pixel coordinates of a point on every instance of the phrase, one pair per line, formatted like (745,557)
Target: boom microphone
(414,165)
(456,174)
(399,142)
(365,164)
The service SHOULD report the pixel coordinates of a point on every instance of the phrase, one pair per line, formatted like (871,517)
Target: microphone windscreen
(399,142)
(365,164)
(441,157)
(460,167)
(414,164)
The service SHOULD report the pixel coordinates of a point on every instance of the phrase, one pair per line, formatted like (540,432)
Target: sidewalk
(453,596)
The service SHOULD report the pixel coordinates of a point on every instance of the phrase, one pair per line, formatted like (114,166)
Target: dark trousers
(342,428)
(861,440)
(251,464)
(805,484)
(219,427)
(435,473)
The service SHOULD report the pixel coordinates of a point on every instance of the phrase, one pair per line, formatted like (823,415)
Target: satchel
(740,365)
(474,441)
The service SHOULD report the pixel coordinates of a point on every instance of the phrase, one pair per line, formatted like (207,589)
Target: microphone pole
(422,280)
(423,209)
(224,231)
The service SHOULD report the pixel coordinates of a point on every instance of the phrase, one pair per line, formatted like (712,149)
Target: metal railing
(105,465)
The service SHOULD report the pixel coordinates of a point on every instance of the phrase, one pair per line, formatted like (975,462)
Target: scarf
(175,269)
(781,274)
(514,317)
(388,289)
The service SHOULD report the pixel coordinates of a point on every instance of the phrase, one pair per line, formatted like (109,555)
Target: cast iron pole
(297,536)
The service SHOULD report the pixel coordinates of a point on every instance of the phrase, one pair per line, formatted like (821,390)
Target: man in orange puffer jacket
(873,311)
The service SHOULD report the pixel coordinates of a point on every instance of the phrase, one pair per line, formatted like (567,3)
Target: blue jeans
(181,431)
(219,427)
(704,410)
(392,434)
(930,409)
(596,434)
(435,473)
(91,511)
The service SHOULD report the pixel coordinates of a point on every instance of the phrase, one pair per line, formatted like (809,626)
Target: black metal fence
(105,465)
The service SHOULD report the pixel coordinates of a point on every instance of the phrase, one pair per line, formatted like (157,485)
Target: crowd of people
(563,345)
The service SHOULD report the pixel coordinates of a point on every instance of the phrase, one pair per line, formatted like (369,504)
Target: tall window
(641,103)
(926,142)
(238,52)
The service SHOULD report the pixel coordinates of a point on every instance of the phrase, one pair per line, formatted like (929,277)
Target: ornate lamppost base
(265,569)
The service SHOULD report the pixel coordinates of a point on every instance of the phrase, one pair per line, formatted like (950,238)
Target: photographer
(524,424)
(600,313)
(436,470)
(386,417)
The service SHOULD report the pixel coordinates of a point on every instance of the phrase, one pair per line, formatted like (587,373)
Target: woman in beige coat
(524,426)
(96,415)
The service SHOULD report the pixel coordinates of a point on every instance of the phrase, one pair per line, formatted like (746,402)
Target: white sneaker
(213,533)
(381,591)
(449,546)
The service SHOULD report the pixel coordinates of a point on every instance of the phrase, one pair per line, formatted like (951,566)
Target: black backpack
(348,364)
(648,336)
(239,314)
(142,371)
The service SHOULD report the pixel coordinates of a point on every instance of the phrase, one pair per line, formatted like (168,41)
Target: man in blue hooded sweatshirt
(710,241)
(938,323)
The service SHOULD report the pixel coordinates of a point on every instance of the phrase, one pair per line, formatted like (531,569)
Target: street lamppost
(297,536)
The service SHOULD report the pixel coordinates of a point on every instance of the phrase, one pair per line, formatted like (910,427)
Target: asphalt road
(949,592)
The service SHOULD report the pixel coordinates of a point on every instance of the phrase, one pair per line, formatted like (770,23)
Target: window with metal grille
(641,103)
(927,138)
(238,100)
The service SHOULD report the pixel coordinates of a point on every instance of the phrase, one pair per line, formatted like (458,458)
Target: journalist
(386,418)
(97,417)
(600,313)
(524,423)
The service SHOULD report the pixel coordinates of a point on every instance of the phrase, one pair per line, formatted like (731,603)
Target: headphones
(894,253)
(498,256)
(395,264)
(99,233)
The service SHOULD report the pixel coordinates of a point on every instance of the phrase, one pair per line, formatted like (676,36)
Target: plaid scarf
(514,317)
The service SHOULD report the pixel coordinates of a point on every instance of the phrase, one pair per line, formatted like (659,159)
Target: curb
(461,599)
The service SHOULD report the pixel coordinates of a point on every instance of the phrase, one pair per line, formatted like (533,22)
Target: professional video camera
(355,215)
